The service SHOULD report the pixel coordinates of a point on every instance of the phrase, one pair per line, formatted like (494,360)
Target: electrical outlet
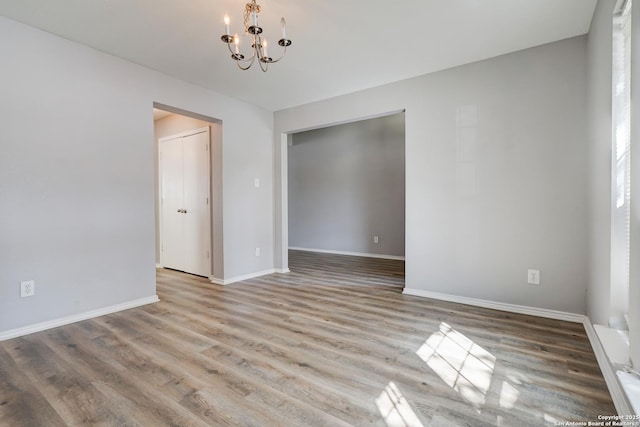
(257,251)
(376,239)
(27,288)
(533,277)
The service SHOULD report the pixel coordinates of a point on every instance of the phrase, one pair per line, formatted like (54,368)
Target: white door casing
(185,214)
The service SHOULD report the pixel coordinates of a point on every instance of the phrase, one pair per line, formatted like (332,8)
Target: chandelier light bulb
(226,24)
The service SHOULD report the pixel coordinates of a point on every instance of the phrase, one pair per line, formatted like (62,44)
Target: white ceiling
(339,46)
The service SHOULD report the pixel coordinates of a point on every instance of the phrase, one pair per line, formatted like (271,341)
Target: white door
(185,211)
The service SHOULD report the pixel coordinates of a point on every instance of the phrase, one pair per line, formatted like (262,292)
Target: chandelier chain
(248,11)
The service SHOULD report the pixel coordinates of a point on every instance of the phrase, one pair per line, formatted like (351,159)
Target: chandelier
(258,43)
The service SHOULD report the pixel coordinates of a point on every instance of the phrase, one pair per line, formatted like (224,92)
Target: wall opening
(171,121)
(346,188)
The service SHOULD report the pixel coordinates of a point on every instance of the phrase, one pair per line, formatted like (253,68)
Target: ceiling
(339,46)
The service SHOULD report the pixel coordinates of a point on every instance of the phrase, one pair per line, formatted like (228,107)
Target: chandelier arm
(251,58)
(284,52)
(251,61)
(230,50)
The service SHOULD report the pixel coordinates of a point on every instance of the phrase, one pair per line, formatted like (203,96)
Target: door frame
(217,197)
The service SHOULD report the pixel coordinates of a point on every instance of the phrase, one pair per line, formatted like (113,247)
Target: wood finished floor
(333,343)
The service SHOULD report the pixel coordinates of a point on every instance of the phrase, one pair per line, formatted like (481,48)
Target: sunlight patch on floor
(460,363)
(552,420)
(395,409)
(508,395)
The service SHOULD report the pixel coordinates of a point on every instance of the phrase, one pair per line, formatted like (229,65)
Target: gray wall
(77,189)
(496,174)
(346,184)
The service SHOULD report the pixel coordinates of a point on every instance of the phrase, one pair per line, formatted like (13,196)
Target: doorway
(185,210)
(346,188)
(188,153)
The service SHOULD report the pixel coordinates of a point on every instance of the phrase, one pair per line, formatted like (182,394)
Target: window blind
(621,164)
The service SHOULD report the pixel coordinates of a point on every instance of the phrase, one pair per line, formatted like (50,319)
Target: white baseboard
(216,281)
(26,330)
(513,308)
(159,266)
(282,270)
(360,254)
(231,280)
(615,389)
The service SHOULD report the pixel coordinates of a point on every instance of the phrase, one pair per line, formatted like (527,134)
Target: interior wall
(495,174)
(77,190)
(346,185)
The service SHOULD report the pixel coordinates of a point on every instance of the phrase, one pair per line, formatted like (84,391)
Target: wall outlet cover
(27,288)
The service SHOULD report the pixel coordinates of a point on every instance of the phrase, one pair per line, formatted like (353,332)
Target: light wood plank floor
(333,343)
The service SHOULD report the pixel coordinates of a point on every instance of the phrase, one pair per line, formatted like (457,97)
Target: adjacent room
(281,213)
(346,189)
